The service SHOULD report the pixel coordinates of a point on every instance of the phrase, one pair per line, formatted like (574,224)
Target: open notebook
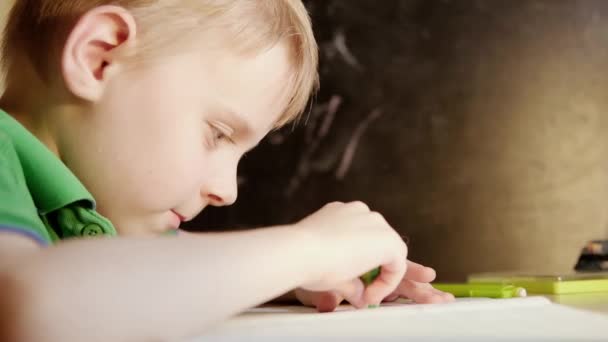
(532,318)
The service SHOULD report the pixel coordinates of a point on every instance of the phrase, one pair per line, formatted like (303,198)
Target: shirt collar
(51,184)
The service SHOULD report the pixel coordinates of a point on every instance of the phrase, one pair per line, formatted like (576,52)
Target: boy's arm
(143,288)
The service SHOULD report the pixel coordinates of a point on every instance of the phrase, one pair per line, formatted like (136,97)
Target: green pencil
(369,278)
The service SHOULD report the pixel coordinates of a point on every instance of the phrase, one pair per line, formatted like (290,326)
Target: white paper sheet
(532,318)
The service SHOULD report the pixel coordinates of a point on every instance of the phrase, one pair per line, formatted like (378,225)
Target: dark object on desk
(594,257)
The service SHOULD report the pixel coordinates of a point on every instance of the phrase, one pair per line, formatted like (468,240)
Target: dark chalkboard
(476,127)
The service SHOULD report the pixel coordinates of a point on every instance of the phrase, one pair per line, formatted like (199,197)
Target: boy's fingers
(353,292)
(389,279)
(392,297)
(418,292)
(306,297)
(419,273)
(447,297)
(423,293)
(326,301)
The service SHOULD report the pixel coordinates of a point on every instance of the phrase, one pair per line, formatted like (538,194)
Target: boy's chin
(146,228)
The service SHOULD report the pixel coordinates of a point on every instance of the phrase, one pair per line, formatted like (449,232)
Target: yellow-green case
(548,284)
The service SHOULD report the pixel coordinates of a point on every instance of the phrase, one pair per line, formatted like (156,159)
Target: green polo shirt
(39,196)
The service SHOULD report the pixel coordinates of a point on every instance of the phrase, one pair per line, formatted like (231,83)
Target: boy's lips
(181,217)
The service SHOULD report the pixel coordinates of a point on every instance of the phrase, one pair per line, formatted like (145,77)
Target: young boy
(121,119)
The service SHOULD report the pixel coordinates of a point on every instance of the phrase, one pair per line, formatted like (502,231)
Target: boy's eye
(217,136)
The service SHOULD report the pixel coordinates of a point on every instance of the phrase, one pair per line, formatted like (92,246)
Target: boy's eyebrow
(237,121)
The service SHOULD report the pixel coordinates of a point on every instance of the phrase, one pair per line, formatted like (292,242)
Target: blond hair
(37,30)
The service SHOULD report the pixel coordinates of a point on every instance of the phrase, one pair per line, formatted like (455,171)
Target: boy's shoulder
(44,199)
(18,213)
(10,166)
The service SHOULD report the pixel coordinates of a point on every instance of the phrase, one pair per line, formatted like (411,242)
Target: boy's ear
(92,49)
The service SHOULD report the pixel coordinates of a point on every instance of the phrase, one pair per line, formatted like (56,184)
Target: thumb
(353,291)
(390,277)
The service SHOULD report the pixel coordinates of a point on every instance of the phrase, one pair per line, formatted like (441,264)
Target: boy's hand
(352,240)
(415,286)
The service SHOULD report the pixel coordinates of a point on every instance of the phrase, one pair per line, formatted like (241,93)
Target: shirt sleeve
(18,213)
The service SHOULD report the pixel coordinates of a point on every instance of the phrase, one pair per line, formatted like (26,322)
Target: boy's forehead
(250,87)
(250,90)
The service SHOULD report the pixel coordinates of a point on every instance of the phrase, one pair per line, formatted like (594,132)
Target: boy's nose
(221,193)
(219,201)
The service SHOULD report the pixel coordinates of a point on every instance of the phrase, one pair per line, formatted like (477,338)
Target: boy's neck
(39,124)
(27,98)
(40,129)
